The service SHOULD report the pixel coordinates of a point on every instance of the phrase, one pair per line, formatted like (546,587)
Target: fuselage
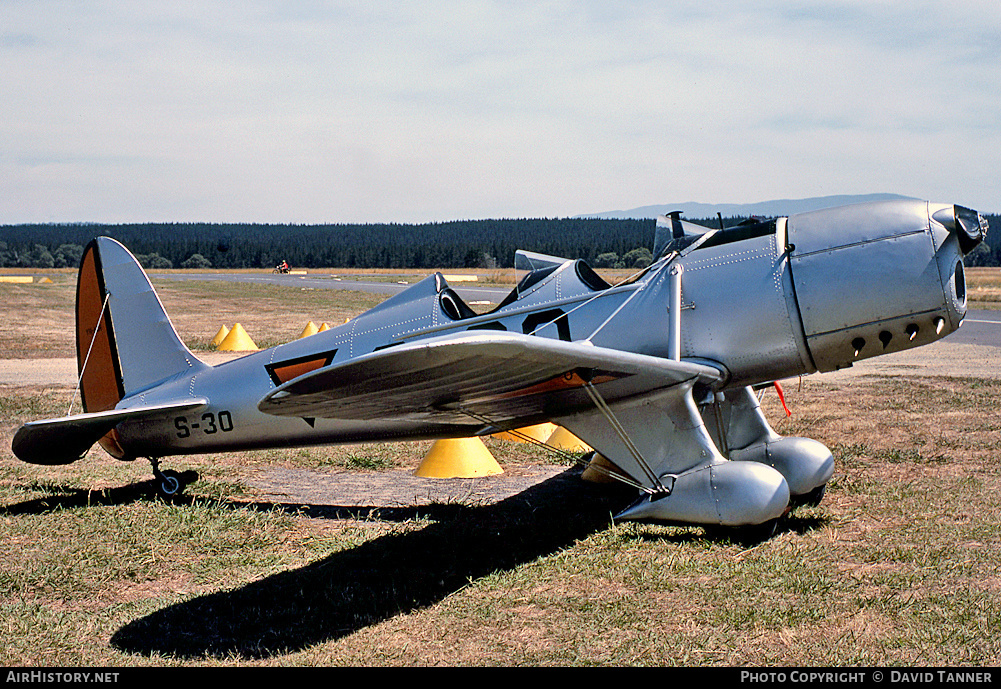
(762,302)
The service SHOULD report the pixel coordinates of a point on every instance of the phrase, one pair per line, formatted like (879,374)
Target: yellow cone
(323,326)
(310,329)
(565,440)
(219,336)
(540,432)
(237,341)
(596,471)
(458,458)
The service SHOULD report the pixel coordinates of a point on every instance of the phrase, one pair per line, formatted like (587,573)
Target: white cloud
(326,112)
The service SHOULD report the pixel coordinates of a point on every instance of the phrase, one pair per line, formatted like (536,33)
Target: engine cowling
(877,278)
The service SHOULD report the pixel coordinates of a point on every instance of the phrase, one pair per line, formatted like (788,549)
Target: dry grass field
(984,288)
(898,565)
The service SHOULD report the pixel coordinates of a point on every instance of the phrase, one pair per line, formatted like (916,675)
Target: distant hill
(764,208)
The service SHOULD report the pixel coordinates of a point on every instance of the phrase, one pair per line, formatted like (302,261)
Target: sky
(327,112)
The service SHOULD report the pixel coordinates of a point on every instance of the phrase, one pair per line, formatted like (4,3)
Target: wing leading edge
(464,378)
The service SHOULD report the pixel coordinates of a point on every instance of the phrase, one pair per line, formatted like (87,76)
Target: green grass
(897,567)
(884,573)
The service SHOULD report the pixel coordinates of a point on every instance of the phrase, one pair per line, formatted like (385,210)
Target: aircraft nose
(967,224)
(966,230)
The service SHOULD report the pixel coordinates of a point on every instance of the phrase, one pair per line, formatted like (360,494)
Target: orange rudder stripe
(101,387)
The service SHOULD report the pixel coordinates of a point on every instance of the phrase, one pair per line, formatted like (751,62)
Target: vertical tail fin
(125,341)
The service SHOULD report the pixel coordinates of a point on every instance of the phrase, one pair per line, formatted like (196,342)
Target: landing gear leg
(168,483)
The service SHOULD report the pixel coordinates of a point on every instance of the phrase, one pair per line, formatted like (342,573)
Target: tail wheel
(169,484)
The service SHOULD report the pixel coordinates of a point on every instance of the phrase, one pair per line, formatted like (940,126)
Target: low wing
(506,378)
(66,439)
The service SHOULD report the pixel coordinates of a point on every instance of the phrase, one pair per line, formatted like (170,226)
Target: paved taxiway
(979,327)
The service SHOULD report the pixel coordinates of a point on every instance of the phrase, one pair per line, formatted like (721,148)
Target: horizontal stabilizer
(67,439)
(503,377)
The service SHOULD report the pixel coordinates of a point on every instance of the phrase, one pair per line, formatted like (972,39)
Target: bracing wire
(86,359)
(567,456)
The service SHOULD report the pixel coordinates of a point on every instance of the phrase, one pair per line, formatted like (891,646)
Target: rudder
(96,355)
(125,341)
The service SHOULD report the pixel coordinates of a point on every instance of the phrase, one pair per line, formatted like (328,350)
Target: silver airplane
(657,373)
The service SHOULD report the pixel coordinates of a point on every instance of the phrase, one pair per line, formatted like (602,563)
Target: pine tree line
(472,243)
(458,244)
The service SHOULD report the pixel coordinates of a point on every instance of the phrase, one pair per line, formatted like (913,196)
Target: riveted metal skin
(655,373)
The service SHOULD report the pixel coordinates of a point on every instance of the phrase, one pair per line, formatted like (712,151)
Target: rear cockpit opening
(453,306)
(579,273)
(589,277)
(582,271)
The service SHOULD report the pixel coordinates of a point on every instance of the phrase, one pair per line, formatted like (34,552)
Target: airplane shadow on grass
(380,579)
